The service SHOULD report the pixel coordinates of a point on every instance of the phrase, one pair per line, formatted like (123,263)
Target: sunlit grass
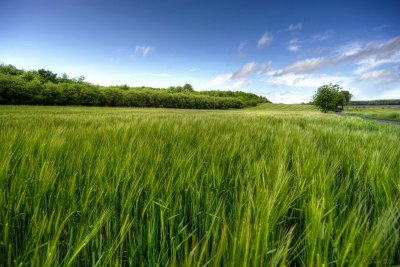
(255,187)
(284,107)
(379,112)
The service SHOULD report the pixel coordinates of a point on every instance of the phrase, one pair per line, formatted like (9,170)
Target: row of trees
(248,98)
(43,87)
(375,102)
(331,98)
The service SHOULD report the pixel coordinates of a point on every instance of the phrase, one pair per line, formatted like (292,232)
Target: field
(272,185)
(375,112)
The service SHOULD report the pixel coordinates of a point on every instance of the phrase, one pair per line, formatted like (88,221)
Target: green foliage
(44,87)
(347,96)
(376,102)
(328,97)
(47,76)
(249,99)
(10,70)
(187,88)
(139,187)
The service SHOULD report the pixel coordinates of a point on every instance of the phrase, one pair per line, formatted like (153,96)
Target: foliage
(376,102)
(329,97)
(188,88)
(139,187)
(346,96)
(249,99)
(47,76)
(43,87)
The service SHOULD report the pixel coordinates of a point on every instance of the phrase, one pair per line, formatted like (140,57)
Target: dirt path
(384,121)
(372,119)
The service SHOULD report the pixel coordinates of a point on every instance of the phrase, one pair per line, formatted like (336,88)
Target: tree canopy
(43,87)
(331,98)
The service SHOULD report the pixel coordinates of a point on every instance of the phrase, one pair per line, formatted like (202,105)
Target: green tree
(188,88)
(328,97)
(347,95)
(47,76)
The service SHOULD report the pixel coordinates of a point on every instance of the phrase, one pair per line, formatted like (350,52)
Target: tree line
(382,102)
(43,87)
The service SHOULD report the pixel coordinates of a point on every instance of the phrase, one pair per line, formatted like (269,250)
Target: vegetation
(43,87)
(94,186)
(376,102)
(375,112)
(330,97)
(248,98)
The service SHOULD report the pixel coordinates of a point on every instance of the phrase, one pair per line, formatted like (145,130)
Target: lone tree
(331,98)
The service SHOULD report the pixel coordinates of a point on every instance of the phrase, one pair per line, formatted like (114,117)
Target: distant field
(284,107)
(378,112)
(272,185)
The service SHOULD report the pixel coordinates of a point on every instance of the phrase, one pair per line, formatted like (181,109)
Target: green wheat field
(273,185)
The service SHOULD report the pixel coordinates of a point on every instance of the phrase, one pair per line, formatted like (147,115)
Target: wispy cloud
(353,53)
(306,80)
(295,27)
(238,78)
(265,40)
(220,79)
(288,97)
(391,74)
(293,48)
(381,27)
(143,50)
(245,70)
(251,68)
(149,74)
(293,45)
(193,70)
(320,37)
(241,46)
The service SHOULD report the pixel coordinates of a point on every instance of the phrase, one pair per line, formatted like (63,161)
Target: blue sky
(282,50)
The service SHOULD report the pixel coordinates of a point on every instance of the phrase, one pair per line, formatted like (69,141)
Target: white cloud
(144,50)
(371,63)
(391,74)
(306,65)
(307,80)
(264,68)
(372,74)
(225,82)
(239,84)
(149,74)
(320,37)
(293,48)
(238,79)
(193,70)
(350,53)
(295,27)
(220,79)
(293,45)
(375,50)
(287,97)
(265,40)
(245,70)
(241,47)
